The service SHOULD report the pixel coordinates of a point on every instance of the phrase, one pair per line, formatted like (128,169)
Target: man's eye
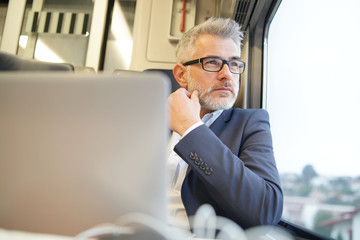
(234,64)
(212,62)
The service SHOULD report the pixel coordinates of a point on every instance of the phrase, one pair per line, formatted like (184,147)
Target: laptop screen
(81,150)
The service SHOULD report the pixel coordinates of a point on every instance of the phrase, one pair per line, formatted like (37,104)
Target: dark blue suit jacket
(232,168)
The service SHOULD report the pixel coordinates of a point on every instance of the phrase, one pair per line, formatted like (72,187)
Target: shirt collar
(210,118)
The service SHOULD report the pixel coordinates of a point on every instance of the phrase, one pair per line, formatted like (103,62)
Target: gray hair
(222,27)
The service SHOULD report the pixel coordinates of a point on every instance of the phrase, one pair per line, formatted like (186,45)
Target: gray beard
(207,101)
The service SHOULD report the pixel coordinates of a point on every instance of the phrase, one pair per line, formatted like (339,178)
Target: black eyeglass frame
(227,62)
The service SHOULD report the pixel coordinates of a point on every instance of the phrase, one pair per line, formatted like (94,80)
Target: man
(222,156)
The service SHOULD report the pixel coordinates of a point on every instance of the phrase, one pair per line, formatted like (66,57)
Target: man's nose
(225,71)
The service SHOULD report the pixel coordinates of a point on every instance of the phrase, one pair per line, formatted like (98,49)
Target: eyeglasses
(215,64)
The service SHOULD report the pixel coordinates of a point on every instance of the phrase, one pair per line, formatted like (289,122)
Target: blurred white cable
(104,229)
(267,233)
(229,230)
(205,223)
(154,224)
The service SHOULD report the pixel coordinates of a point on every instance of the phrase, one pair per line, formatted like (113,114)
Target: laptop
(77,151)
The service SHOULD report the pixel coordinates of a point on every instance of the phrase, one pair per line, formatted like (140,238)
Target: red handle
(182,24)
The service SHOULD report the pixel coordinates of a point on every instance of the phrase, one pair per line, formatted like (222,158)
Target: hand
(184,110)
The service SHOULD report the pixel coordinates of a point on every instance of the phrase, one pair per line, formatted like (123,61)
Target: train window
(56,30)
(312,96)
(119,43)
(3,8)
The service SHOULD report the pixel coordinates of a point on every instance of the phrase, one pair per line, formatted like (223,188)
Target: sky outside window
(313,89)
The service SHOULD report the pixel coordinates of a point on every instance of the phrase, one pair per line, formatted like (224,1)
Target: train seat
(11,62)
(174,84)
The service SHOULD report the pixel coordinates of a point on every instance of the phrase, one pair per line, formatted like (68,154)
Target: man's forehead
(222,57)
(212,37)
(216,47)
(212,44)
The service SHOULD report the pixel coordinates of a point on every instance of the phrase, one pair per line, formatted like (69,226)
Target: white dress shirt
(177,172)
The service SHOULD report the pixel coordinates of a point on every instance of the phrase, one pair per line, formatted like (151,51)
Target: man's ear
(179,72)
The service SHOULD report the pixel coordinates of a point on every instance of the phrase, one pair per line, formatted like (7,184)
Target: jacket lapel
(218,126)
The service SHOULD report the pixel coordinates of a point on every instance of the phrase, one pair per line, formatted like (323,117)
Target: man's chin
(217,104)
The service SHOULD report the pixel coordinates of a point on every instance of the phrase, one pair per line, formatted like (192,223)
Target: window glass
(119,43)
(313,101)
(56,30)
(3,8)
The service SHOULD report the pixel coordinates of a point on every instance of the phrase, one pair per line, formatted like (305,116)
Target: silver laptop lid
(81,150)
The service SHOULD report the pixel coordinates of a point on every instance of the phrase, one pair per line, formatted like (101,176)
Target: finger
(195,96)
(188,94)
(182,91)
